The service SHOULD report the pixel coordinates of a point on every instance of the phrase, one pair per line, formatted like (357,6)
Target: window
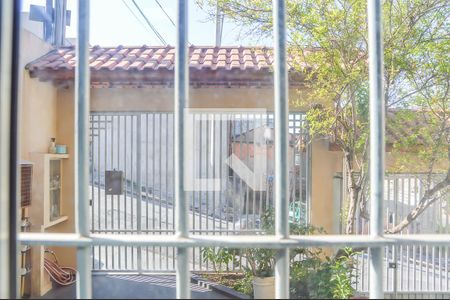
(182,240)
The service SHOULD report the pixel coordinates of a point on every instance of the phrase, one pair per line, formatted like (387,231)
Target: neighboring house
(132,99)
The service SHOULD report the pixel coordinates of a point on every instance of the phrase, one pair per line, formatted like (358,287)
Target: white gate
(138,148)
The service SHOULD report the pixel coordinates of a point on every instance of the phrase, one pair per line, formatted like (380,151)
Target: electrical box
(114,182)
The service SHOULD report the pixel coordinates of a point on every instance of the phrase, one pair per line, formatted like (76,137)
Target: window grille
(282,241)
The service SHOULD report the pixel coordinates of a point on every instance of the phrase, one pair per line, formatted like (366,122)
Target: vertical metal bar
(399,216)
(194,174)
(408,250)
(219,161)
(132,184)
(153,183)
(105,160)
(113,260)
(239,202)
(125,160)
(446,277)
(241,135)
(207,165)
(233,145)
(440,258)
(308,175)
(147,199)
(92,184)
(200,192)
(247,150)
(180,102)
(173,190)
(160,185)
(139,187)
(120,248)
(82,89)
(261,177)
(281,148)
(377,142)
(214,175)
(6,52)
(427,274)
(167,184)
(98,186)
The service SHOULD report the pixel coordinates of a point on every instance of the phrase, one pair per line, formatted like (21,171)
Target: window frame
(83,240)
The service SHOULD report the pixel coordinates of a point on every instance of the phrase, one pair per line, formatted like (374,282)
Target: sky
(112,24)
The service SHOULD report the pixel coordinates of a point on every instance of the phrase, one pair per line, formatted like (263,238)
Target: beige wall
(40,113)
(325,164)
(38,101)
(161,98)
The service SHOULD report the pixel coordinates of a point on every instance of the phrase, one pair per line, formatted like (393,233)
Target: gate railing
(409,269)
(140,148)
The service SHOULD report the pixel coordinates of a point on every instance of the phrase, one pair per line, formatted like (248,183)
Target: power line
(167,15)
(135,16)
(149,23)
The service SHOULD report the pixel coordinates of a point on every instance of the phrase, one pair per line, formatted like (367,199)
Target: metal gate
(132,180)
(410,271)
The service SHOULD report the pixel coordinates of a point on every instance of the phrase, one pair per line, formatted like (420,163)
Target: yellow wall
(40,115)
(325,164)
(161,98)
(38,101)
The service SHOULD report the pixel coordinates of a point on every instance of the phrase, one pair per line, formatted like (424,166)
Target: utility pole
(219,25)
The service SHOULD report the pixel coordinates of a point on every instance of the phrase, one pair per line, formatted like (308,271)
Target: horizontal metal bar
(237,231)
(241,241)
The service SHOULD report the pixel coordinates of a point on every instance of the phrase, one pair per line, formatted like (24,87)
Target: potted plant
(260,263)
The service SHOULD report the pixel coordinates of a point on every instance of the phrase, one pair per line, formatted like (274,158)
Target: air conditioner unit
(26,174)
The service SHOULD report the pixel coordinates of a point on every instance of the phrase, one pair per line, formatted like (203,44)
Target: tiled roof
(153,65)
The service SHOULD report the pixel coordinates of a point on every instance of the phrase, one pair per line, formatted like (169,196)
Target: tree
(328,42)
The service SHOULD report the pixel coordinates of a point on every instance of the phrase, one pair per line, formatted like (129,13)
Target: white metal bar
(6,35)
(139,161)
(377,142)
(82,89)
(234,241)
(180,101)
(281,148)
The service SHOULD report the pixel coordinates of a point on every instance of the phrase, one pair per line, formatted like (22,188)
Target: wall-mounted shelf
(47,210)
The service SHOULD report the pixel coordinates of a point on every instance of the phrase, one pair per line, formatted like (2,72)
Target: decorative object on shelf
(61,149)
(52,147)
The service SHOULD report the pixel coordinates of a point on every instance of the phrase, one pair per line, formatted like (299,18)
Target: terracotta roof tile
(148,60)
(206,57)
